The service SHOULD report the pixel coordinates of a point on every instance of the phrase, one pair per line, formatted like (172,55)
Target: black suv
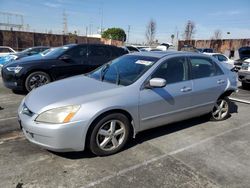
(57,63)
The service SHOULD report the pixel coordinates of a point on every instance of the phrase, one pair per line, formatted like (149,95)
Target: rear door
(158,106)
(209,82)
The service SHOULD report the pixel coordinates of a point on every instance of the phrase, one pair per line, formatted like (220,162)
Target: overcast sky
(170,16)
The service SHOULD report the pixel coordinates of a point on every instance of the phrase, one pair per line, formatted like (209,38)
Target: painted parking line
(9,118)
(239,100)
(12,136)
(145,163)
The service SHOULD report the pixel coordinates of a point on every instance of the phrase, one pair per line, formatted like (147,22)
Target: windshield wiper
(102,74)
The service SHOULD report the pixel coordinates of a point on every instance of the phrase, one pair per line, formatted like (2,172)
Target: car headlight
(16,69)
(58,115)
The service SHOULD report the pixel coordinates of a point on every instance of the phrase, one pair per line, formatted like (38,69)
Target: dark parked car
(34,71)
(188,48)
(31,51)
(244,53)
(27,52)
(205,50)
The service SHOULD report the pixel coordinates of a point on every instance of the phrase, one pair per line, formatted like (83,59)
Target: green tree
(115,34)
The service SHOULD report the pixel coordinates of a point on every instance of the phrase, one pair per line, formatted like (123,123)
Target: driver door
(75,63)
(159,106)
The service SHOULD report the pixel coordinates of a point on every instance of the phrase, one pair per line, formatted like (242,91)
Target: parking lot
(193,153)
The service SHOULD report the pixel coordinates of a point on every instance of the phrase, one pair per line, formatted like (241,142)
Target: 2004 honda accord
(101,110)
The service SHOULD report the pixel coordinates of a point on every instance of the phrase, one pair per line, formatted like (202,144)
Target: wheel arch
(226,93)
(35,70)
(122,111)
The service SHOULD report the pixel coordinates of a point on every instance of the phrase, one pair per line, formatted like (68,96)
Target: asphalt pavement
(192,153)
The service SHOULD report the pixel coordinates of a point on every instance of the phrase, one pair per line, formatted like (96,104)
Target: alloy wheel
(110,135)
(220,110)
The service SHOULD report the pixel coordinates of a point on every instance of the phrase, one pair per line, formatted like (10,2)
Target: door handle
(186,89)
(220,81)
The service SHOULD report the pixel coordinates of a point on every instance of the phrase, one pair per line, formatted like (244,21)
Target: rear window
(203,67)
(5,50)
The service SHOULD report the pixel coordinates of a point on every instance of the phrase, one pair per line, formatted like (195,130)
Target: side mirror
(65,57)
(156,83)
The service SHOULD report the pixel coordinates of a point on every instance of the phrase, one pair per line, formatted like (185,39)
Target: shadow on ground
(20,92)
(150,134)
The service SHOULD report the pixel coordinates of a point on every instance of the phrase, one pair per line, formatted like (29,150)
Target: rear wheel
(221,109)
(36,79)
(110,134)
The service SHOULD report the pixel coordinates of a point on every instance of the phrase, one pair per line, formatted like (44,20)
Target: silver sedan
(103,109)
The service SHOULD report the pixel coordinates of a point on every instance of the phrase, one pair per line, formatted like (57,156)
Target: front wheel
(110,134)
(36,79)
(221,109)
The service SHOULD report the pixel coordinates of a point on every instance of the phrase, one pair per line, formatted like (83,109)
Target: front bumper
(11,80)
(56,137)
(244,76)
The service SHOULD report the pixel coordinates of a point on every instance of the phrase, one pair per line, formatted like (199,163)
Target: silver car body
(148,108)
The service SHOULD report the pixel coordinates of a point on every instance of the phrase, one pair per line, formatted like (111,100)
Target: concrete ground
(192,153)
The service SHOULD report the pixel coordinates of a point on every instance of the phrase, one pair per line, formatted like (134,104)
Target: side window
(78,52)
(222,58)
(173,70)
(5,50)
(99,51)
(203,67)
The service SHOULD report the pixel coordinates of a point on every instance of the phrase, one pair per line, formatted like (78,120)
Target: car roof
(161,54)
(5,47)
(212,53)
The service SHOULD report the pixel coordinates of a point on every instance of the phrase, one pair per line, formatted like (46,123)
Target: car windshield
(55,52)
(124,70)
(26,50)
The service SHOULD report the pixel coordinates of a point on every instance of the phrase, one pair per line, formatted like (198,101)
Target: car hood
(70,91)
(28,59)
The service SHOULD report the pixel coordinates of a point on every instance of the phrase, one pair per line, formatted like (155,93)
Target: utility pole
(128,34)
(101,15)
(86,31)
(65,23)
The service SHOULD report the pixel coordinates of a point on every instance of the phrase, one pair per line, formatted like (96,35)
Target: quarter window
(222,58)
(5,50)
(173,70)
(202,68)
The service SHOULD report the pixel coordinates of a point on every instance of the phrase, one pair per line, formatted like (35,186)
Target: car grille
(27,111)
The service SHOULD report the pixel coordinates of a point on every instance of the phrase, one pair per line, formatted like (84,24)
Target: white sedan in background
(223,58)
(5,50)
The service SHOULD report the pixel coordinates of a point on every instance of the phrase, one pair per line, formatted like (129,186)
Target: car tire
(221,110)
(36,79)
(109,134)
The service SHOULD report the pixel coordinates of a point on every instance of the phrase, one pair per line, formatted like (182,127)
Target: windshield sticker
(143,62)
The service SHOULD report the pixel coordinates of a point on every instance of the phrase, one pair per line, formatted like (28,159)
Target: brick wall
(218,45)
(20,40)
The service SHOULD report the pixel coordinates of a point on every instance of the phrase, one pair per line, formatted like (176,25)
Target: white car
(164,46)
(244,73)
(223,58)
(5,50)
